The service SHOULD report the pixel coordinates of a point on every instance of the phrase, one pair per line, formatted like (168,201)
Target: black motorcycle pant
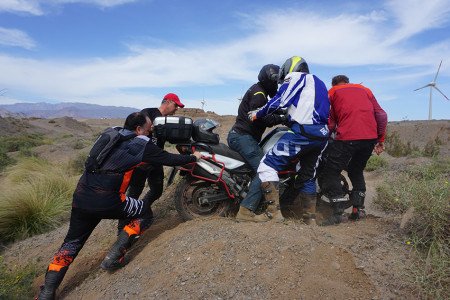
(344,155)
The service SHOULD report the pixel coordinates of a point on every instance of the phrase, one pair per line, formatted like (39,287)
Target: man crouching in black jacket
(100,194)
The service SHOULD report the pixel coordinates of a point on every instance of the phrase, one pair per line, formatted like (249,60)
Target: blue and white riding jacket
(306,98)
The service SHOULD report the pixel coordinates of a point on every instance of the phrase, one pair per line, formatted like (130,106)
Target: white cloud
(15,38)
(415,16)
(21,6)
(342,40)
(101,3)
(39,7)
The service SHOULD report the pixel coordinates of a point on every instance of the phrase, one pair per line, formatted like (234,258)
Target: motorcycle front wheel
(200,199)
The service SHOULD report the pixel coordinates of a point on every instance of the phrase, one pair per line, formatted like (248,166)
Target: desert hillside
(219,258)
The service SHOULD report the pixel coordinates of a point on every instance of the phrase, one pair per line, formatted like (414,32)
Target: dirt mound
(198,260)
(220,258)
(63,125)
(12,126)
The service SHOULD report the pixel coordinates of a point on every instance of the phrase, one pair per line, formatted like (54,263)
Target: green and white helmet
(293,64)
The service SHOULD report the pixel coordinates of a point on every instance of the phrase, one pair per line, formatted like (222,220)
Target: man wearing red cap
(153,173)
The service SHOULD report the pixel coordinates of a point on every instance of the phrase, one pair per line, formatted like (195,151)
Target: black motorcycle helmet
(293,64)
(203,131)
(268,77)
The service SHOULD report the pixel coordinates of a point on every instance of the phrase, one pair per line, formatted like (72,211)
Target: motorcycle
(217,183)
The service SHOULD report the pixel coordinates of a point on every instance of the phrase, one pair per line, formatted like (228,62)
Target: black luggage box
(173,129)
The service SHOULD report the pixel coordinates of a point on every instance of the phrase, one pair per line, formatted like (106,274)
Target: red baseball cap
(173,97)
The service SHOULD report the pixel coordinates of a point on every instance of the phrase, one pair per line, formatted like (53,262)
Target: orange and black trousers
(83,222)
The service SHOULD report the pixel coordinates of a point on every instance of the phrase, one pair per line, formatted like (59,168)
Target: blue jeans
(248,147)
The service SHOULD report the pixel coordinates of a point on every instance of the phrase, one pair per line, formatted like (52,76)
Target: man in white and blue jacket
(306,98)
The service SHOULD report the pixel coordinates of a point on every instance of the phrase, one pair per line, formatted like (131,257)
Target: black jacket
(103,190)
(152,113)
(254,98)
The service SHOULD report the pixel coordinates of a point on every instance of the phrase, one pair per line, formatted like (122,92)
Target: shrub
(76,164)
(28,152)
(431,148)
(375,162)
(78,144)
(438,141)
(27,169)
(16,283)
(425,189)
(38,203)
(395,147)
(5,160)
(18,142)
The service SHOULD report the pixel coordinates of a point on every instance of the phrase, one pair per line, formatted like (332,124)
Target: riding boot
(52,281)
(245,214)
(115,259)
(357,200)
(309,208)
(121,225)
(270,192)
(293,209)
(338,205)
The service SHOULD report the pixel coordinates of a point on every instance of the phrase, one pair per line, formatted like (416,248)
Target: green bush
(28,152)
(24,141)
(36,203)
(76,164)
(5,160)
(78,144)
(395,147)
(431,148)
(16,283)
(27,170)
(375,162)
(426,190)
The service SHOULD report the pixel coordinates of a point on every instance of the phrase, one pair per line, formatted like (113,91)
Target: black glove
(274,119)
(283,119)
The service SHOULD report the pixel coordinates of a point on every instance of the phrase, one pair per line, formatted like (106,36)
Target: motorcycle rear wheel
(187,200)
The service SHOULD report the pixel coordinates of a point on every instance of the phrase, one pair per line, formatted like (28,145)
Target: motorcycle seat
(224,150)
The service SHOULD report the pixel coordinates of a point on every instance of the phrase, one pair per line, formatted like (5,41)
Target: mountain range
(74,110)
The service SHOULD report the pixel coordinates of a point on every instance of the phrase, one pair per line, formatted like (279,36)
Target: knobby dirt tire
(186,200)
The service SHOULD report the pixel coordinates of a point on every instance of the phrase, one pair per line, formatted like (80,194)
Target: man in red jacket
(359,124)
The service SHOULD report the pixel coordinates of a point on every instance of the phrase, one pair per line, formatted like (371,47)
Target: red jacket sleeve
(380,117)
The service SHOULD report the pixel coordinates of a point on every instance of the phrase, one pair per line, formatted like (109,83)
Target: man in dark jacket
(100,194)
(360,127)
(245,135)
(154,174)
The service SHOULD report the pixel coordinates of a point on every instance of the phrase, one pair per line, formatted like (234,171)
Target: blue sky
(133,52)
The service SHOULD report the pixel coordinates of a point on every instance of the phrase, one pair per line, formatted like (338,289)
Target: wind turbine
(203,102)
(433,85)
